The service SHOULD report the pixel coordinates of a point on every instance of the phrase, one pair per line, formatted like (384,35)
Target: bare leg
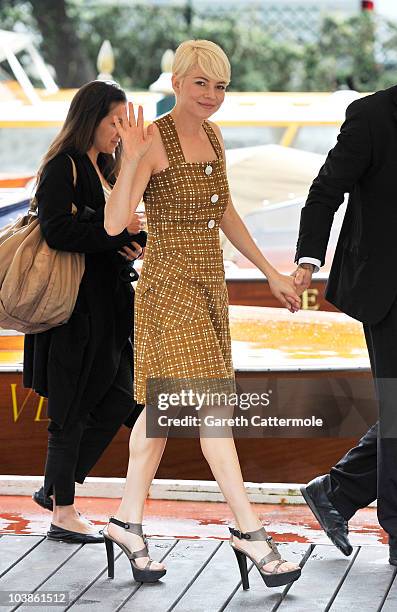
(145,456)
(222,458)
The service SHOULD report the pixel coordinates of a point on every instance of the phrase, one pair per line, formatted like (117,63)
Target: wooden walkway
(202,576)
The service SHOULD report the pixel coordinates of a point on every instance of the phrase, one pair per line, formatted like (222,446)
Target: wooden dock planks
(202,576)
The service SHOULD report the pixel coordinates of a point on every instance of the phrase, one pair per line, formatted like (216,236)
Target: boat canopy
(11,44)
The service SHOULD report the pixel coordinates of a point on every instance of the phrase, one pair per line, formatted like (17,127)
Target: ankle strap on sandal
(258,534)
(133,527)
(239,534)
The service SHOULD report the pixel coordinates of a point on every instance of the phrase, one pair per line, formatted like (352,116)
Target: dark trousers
(369,471)
(74,449)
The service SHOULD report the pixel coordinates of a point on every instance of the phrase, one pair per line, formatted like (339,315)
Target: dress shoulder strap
(213,139)
(170,139)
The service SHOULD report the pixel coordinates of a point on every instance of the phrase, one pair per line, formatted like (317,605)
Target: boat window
(21,149)
(237,137)
(316,138)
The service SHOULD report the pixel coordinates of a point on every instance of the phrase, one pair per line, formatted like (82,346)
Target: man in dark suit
(363,284)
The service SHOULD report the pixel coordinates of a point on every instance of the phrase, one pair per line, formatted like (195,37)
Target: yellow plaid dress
(181,300)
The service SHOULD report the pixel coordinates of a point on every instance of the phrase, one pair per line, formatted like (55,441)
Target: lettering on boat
(309,299)
(18,406)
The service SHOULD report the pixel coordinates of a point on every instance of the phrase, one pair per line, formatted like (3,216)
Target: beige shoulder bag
(38,285)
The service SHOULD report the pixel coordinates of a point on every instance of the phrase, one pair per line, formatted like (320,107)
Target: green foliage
(16,15)
(345,53)
(139,37)
(259,62)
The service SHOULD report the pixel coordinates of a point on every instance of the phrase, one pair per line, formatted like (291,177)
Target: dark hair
(89,106)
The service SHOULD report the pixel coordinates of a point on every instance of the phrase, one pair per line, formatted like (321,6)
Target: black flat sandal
(271,578)
(140,574)
(42,500)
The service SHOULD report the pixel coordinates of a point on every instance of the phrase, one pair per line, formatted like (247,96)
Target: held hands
(136,224)
(136,252)
(284,290)
(302,277)
(135,138)
(130,254)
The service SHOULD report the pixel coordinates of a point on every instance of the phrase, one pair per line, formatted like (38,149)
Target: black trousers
(369,471)
(74,449)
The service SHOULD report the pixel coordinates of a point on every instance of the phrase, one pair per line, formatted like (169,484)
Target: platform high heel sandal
(271,578)
(140,574)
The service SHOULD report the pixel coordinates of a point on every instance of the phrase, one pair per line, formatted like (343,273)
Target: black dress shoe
(392,550)
(42,500)
(330,519)
(73,537)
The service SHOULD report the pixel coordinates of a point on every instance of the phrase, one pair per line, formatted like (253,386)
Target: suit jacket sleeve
(343,167)
(61,229)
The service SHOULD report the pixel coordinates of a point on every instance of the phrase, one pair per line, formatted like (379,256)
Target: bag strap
(74,169)
(34,205)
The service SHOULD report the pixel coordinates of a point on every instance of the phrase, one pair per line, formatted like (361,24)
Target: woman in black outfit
(85,367)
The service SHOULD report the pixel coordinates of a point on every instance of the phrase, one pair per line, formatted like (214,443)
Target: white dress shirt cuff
(316,262)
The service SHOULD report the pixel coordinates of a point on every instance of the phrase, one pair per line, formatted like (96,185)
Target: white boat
(13,202)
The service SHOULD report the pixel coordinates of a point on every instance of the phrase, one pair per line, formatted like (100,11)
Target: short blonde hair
(208,56)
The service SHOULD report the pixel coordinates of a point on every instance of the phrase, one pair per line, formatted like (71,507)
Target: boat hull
(256,292)
(303,356)
(23,443)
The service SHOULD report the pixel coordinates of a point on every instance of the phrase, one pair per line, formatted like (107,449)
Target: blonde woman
(181,325)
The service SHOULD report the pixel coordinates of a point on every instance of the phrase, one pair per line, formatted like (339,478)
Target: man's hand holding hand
(303,277)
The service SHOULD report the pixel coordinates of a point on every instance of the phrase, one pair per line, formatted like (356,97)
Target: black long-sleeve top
(75,364)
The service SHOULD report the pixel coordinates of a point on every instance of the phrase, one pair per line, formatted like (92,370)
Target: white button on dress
(208,170)
(211,223)
(214,198)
